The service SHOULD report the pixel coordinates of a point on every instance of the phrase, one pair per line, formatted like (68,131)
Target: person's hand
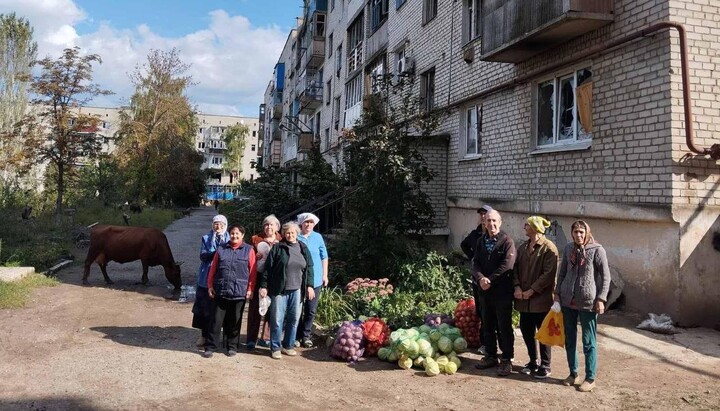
(556,298)
(263,292)
(326,281)
(249,295)
(518,293)
(259,256)
(484,283)
(599,307)
(527,294)
(311,293)
(211,292)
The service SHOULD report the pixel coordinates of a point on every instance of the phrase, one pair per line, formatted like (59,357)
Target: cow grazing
(125,244)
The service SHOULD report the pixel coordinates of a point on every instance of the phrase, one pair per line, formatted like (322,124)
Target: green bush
(333,308)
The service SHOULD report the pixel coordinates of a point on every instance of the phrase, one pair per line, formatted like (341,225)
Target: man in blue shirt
(318,251)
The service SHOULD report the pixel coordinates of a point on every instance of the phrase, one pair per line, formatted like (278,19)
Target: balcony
(515,30)
(317,5)
(309,90)
(305,143)
(276,101)
(315,53)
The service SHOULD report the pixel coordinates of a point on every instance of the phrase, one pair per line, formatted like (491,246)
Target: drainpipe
(713,151)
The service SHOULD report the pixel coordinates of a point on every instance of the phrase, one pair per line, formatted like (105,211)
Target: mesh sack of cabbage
(349,344)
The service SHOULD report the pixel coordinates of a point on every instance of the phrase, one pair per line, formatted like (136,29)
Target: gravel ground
(129,347)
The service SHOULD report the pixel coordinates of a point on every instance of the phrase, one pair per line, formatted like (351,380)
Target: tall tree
(67,136)
(235,141)
(17,53)
(159,122)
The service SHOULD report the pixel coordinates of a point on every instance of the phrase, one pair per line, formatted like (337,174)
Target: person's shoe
(481,350)
(231,353)
(505,368)
(276,355)
(307,343)
(487,362)
(290,353)
(542,373)
(263,343)
(208,354)
(200,342)
(529,368)
(297,344)
(250,345)
(587,386)
(571,380)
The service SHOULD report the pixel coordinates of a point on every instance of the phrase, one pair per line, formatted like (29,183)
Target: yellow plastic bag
(551,331)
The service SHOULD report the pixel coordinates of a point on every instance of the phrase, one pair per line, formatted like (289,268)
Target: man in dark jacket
(492,269)
(468,247)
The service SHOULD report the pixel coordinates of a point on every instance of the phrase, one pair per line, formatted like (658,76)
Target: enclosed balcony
(305,143)
(315,53)
(277,107)
(515,30)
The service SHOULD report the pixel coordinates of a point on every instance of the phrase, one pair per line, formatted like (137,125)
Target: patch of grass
(149,217)
(15,294)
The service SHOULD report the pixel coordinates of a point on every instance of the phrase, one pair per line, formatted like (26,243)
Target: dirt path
(127,347)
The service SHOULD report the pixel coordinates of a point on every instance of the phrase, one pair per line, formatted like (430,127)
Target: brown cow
(125,244)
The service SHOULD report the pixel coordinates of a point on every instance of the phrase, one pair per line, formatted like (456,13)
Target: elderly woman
(263,243)
(318,251)
(582,288)
(202,309)
(231,280)
(287,277)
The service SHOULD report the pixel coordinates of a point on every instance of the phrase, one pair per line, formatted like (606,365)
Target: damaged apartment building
(601,110)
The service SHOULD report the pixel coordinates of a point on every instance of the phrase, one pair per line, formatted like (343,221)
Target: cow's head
(173,275)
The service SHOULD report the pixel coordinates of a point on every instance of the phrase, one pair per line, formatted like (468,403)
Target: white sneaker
(290,353)
(276,355)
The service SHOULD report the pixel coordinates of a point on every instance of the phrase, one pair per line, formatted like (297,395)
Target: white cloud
(231,60)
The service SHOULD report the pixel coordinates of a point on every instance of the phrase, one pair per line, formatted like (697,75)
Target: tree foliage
(156,138)
(235,140)
(17,54)
(59,134)
(389,210)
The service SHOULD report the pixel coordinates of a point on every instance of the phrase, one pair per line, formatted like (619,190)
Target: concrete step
(10,274)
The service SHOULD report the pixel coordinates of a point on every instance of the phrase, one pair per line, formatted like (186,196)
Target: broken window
(564,109)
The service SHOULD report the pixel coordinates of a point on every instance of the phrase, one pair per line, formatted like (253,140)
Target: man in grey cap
(468,247)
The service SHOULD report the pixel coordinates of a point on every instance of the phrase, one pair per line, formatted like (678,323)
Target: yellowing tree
(235,141)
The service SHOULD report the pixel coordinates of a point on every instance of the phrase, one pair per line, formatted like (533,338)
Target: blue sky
(231,45)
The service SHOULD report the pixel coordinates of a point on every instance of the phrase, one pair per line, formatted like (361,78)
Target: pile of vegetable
(434,350)
(377,335)
(349,342)
(467,321)
(434,320)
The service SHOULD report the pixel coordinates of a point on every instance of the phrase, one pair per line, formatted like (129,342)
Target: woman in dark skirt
(202,309)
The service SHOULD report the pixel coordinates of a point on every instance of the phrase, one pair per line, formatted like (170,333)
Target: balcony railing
(354,59)
(309,91)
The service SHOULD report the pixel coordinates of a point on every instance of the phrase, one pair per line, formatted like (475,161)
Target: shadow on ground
(173,338)
(49,403)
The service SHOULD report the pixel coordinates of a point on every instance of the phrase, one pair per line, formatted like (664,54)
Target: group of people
(528,278)
(288,265)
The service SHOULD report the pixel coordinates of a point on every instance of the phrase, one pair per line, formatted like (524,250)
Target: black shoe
(529,368)
(231,353)
(487,362)
(208,354)
(542,373)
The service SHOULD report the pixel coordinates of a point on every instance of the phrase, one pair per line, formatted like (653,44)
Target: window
(377,75)
(336,112)
(399,3)
(353,92)
(564,109)
(201,145)
(217,160)
(338,60)
(326,139)
(319,26)
(472,27)
(254,133)
(330,45)
(427,90)
(429,10)
(252,147)
(378,13)
(355,36)
(328,92)
(473,130)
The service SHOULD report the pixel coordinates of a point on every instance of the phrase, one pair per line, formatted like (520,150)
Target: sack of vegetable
(467,321)
(377,335)
(349,343)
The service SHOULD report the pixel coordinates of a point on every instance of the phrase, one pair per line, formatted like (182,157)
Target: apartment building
(209,140)
(568,109)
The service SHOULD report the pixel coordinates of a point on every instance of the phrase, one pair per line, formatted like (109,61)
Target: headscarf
(305,216)
(538,223)
(221,219)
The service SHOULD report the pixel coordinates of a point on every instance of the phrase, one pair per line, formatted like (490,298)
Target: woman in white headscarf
(202,309)
(319,254)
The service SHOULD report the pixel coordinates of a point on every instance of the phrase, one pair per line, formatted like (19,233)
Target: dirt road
(128,347)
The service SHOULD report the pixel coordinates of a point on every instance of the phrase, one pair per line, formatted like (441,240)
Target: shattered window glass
(546,95)
(566,117)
